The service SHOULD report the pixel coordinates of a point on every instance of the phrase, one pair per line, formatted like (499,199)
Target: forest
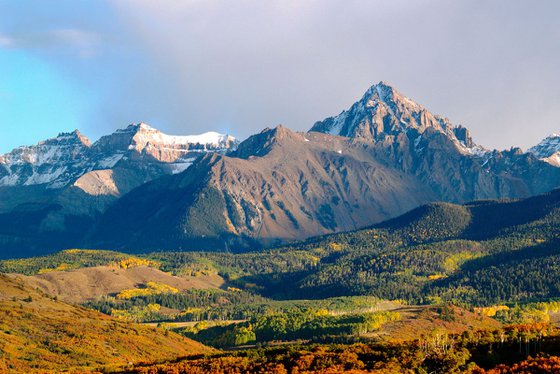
(508,350)
(472,287)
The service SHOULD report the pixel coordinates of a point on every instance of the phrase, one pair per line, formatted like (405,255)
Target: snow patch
(180,167)
(110,161)
(548,149)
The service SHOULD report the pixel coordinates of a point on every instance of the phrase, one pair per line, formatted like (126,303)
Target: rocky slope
(548,150)
(374,161)
(51,192)
(383,156)
(383,112)
(39,334)
(278,185)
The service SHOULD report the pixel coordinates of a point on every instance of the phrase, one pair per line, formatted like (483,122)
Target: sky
(186,67)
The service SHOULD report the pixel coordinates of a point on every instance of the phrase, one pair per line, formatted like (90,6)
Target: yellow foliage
(191,310)
(453,262)
(152,288)
(322,312)
(73,251)
(61,267)
(490,311)
(436,276)
(335,246)
(133,262)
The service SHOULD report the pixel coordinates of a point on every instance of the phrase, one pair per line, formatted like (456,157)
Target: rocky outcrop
(548,150)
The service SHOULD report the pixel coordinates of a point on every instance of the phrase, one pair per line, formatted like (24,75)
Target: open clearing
(80,285)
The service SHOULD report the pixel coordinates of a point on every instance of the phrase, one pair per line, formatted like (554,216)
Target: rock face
(548,150)
(278,185)
(54,161)
(380,158)
(384,113)
(52,192)
(59,161)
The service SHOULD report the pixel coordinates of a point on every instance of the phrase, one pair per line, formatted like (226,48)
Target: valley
(383,240)
(279,187)
(433,270)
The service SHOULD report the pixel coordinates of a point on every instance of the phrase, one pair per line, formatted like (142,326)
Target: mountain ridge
(135,142)
(383,156)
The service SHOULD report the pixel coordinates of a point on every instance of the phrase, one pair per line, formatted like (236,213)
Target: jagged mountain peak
(135,127)
(384,112)
(386,93)
(58,161)
(69,137)
(47,151)
(548,149)
(262,143)
(50,160)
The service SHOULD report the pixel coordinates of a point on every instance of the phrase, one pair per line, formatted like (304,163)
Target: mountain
(383,112)
(548,150)
(51,192)
(480,253)
(54,161)
(381,158)
(62,160)
(277,185)
(139,189)
(41,334)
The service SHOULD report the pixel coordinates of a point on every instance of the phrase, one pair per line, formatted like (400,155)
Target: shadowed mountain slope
(381,158)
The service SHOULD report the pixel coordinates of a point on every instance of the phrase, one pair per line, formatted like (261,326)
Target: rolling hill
(480,253)
(41,334)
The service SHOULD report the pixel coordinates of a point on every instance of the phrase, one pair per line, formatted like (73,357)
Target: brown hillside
(80,285)
(425,320)
(39,334)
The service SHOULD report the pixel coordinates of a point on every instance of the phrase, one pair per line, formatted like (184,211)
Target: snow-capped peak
(384,92)
(54,159)
(60,160)
(143,134)
(383,111)
(48,151)
(147,134)
(548,149)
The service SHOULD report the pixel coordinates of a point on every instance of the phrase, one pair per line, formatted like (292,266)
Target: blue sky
(198,65)
(35,100)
